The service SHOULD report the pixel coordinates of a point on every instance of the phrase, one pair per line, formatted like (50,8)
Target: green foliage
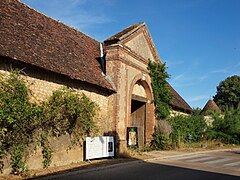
(161,92)
(146,148)
(181,126)
(15,123)
(65,112)
(69,112)
(46,150)
(228,93)
(17,158)
(160,141)
(226,127)
(193,124)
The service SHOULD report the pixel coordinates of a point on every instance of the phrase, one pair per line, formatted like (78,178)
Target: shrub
(161,135)
(160,141)
(226,127)
(183,126)
(21,121)
(68,112)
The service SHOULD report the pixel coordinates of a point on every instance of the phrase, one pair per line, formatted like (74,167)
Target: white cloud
(179,77)
(172,63)
(219,71)
(198,98)
(203,78)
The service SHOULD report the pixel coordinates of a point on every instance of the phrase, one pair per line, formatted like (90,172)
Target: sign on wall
(99,147)
(132,137)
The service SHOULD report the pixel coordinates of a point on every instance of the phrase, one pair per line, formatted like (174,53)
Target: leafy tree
(161,92)
(228,93)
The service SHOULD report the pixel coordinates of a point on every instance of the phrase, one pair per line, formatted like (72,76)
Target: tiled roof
(117,37)
(211,105)
(178,102)
(31,37)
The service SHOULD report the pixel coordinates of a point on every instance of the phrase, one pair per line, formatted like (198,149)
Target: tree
(228,93)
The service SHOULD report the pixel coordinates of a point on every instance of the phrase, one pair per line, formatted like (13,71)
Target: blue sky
(198,39)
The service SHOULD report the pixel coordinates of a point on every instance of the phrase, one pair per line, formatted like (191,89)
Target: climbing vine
(22,122)
(161,92)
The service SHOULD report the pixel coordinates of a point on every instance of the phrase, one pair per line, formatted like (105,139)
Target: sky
(198,39)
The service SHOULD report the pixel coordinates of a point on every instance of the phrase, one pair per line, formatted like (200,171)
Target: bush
(183,126)
(68,112)
(226,127)
(160,141)
(21,121)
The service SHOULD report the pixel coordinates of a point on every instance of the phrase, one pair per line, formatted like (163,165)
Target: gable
(137,39)
(140,46)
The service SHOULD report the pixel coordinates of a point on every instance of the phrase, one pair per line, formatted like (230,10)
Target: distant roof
(211,105)
(178,102)
(31,37)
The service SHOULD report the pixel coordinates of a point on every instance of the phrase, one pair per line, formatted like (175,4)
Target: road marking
(186,157)
(201,159)
(233,164)
(218,161)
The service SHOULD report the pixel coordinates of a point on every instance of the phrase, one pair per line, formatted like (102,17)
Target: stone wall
(41,85)
(174,113)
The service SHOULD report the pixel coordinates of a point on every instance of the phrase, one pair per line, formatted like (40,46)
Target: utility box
(99,147)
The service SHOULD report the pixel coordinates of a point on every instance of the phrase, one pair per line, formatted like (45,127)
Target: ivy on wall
(22,122)
(161,92)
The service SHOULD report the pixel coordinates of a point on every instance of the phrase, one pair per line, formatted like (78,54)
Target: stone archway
(141,111)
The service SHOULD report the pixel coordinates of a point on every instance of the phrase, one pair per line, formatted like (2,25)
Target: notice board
(99,147)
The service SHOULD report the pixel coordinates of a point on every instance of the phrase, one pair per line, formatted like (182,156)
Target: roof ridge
(138,26)
(58,21)
(124,33)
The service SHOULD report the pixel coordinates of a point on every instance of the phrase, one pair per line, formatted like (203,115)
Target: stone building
(113,73)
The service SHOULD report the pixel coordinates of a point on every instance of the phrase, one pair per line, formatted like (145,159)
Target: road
(219,162)
(215,165)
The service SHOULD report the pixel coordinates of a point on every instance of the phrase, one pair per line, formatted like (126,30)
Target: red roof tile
(210,106)
(31,37)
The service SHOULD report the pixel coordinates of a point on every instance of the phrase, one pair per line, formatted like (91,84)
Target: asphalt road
(217,166)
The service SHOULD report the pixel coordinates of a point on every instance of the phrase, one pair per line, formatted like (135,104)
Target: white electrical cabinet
(99,147)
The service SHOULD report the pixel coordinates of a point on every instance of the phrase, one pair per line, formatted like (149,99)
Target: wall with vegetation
(43,123)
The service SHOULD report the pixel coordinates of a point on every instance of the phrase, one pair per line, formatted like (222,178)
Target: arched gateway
(141,113)
(127,57)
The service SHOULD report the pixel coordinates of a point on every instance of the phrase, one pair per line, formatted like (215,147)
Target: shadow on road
(139,170)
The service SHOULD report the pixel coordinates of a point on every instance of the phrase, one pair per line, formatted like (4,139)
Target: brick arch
(146,83)
(150,115)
